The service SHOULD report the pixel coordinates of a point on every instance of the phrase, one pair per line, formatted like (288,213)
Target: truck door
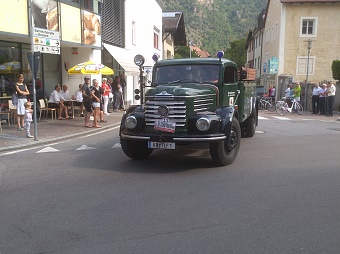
(228,95)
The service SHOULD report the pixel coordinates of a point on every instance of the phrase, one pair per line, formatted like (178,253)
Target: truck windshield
(186,73)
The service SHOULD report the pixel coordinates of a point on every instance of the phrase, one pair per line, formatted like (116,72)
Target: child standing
(28,119)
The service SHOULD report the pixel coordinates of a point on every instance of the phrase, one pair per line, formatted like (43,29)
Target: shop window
(92,5)
(10,66)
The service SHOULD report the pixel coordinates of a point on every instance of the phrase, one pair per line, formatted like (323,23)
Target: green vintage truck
(194,100)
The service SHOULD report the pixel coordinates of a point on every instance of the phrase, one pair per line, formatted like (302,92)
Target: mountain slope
(213,24)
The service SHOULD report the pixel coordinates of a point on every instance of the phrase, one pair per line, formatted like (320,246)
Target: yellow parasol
(10,67)
(89,68)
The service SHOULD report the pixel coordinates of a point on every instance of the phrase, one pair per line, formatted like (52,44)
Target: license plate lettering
(161,145)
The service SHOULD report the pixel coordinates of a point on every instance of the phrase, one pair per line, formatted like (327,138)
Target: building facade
(75,31)
(289,26)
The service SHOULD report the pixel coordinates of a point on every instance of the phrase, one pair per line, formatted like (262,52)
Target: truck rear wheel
(250,125)
(225,152)
(137,150)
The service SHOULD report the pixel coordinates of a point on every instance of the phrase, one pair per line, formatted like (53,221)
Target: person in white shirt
(315,98)
(330,98)
(287,94)
(65,96)
(78,97)
(322,99)
(56,101)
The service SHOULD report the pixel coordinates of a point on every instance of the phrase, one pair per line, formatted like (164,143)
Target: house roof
(200,52)
(310,1)
(173,23)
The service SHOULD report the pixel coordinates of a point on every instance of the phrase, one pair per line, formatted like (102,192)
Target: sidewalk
(51,131)
(305,116)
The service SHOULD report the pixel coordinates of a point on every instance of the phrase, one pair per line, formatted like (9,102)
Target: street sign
(47,49)
(46,41)
(44,33)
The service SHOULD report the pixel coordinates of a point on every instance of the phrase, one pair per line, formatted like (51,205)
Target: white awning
(124,59)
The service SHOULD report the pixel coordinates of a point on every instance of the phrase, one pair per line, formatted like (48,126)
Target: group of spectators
(96,99)
(322,97)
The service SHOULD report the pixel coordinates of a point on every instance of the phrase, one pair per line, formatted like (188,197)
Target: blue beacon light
(220,54)
(155,57)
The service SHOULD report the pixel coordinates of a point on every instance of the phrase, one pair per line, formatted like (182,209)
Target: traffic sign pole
(33,78)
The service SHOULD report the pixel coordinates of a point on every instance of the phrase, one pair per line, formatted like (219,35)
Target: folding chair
(43,107)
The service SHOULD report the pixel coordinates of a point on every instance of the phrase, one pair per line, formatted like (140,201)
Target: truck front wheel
(225,152)
(137,150)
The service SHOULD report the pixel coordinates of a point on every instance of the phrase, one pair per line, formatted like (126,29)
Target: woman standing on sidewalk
(22,92)
(96,95)
(106,90)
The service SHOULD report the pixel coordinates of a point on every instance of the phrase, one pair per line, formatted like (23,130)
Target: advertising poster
(70,23)
(91,29)
(45,14)
(14,18)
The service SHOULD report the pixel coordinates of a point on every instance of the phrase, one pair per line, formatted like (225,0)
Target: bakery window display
(91,28)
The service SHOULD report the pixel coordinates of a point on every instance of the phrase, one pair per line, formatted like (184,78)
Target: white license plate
(165,124)
(161,145)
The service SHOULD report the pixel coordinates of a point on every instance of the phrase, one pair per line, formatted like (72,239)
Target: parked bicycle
(266,105)
(282,107)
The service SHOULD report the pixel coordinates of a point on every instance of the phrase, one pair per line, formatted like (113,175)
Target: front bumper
(175,138)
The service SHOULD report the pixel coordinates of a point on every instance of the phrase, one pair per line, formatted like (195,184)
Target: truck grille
(202,104)
(177,111)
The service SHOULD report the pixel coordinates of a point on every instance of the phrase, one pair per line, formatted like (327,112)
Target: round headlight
(203,124)
(139,60)
(131,122)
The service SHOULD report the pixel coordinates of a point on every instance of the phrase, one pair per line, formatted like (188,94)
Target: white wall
(147,15)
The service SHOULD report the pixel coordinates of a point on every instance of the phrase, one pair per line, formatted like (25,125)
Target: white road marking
(263,118)
(282,118)
(117,145)
(85,147)
(48,150)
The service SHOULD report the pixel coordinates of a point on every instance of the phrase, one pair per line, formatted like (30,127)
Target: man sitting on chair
(78,96)
(56,101)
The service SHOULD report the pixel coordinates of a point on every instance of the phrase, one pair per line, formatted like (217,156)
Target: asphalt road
(281,195)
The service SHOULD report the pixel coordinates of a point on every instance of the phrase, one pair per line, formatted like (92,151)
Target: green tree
(336,69)
(236,52)
(184,52)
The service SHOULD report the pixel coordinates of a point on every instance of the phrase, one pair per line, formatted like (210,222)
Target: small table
(72,106)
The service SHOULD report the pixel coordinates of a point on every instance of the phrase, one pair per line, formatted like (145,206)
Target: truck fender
(226,114)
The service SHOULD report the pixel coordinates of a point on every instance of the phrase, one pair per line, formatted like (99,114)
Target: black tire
(137,150)
(270,107)
(282,109)
(225,152)
(250,127)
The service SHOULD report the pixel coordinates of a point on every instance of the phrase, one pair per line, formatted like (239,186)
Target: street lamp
(306,84)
